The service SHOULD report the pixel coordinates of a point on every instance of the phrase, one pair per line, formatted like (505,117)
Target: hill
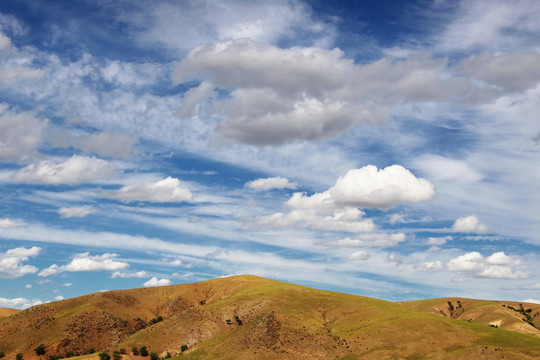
(247,317)
(4,312)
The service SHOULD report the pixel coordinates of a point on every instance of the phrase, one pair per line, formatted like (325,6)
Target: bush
(19,356)
(154,356)
(104,356)
(123,351)
(40,350)
(143,351)
(2,354)
(134,350)
(116,355)
(183,348)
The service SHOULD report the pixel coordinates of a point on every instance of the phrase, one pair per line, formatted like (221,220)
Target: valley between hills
(249,317)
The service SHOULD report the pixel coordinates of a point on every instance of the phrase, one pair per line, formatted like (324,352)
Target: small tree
(143,351)
(154,356)
(135,351)
(123,351)
(19,356)
(117,355)
(183,348)
(2,354)
(104,356)
(40,350)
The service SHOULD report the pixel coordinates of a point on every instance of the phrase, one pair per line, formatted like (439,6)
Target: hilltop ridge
(246,317)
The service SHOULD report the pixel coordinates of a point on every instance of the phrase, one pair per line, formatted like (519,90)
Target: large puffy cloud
(271,183)
(279,95)
(382,189)
(166,190)
(20,133)
(11,262)
(337,208)
(469,223)
(498,265)
(85,262)
(75,170)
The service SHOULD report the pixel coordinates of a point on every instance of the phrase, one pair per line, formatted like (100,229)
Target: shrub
(104,356)
(168,356)
(2,354)
(19,356)
(143,351)
(183,348)
(154,356)
(123,351)
(117,355)
(40,350)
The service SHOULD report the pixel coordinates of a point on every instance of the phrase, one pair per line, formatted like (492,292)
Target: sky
(388,149)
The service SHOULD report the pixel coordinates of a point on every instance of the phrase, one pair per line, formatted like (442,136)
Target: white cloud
(20,133)
(359,255)
(123,275)
(396,218)
(535,286)
(429,266)
(438,240)
(7,223)
(18,303)
(108,144)
(10,262)
(498,266)
(75,170)
(84,262)
(369,240)
(5,42)
(28,286)
(10,74)
(157,282)
(369,187)
(532,301)
(58,298)
(166,190)
(271,183)
(469,224)
(316,94)
(440,168)
(77,211)
(512,72)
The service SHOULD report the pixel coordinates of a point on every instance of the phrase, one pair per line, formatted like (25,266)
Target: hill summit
(248,317)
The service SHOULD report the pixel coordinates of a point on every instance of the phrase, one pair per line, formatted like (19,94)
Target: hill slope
(246,317)
(5,312)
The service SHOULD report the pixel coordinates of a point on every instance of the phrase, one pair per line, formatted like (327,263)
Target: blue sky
(384,148)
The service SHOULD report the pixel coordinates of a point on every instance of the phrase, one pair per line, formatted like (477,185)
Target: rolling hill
(248,317)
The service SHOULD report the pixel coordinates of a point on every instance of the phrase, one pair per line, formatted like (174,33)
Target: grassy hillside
(7,312)
(247,317)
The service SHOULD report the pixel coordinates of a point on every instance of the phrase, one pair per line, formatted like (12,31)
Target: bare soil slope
(247,317)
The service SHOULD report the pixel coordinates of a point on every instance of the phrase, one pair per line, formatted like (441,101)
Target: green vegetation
(40,350)
(135,351)
(104,356)
(143,351)
(154,356)
(19,356)
(183,348)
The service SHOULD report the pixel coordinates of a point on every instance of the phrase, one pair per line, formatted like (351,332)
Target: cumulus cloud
(18,303)
(316,94)
(469,224)
(77,211)
(271,183)
(75,170)
(85,262)
(337,208)
(359,255)
(166,190)
(369,240)
(369,187)
(20,133)
(11,262)
(429,266)
(11,74)
(5,42)
(157,282)
(107,144)
(497,265)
